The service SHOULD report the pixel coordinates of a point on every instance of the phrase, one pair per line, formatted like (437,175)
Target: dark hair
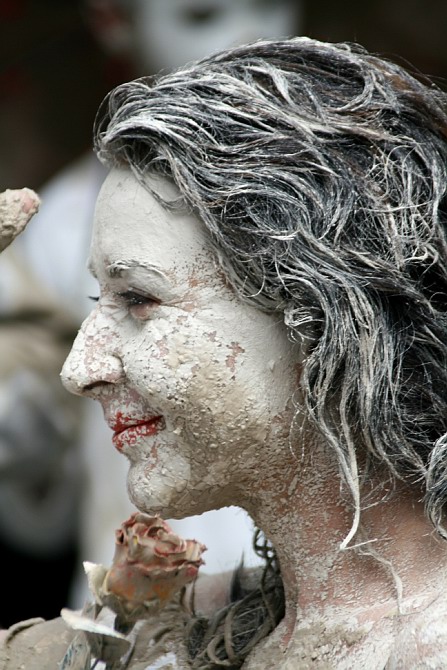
(319,171)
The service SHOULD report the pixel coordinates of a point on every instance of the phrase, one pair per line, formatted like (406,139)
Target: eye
(140,306)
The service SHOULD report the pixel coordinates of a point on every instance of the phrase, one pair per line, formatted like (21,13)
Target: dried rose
(151,565)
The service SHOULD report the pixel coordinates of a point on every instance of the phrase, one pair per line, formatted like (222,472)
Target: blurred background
(62,486)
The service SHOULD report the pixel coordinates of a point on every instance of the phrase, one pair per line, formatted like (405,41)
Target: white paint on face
(195,383)
(170,33)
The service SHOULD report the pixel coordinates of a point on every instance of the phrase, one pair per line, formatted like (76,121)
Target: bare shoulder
(34,644)
(421,642)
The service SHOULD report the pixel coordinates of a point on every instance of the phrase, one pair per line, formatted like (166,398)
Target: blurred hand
(16,209)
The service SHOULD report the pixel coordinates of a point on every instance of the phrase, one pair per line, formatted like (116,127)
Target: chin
(156,495)
(160,484)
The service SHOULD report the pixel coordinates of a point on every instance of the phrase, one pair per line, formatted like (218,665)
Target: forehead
(131,225)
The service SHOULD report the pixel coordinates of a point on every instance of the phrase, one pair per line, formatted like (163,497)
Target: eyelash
(139,306)
(133,299)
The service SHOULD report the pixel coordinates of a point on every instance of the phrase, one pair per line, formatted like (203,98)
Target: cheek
(217,412)
(169,357)
(207,384)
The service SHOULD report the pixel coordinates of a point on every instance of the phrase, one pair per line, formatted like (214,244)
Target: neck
(392,564)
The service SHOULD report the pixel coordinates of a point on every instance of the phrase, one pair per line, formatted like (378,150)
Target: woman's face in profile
(194,383)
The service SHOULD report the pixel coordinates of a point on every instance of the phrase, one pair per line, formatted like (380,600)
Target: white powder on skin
(17,206)
(170,344)
(216,370)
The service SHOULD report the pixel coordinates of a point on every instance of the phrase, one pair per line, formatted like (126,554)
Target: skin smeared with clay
(197,386)
(181,366)
(17,206)
(284,348)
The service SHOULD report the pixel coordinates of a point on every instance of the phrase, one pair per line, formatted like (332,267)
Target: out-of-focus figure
(61,477)
(160,35)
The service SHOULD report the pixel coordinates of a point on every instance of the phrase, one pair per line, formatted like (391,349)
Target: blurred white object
(169,34)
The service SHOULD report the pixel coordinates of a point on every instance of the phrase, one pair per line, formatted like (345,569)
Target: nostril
(93,385)
(79,379)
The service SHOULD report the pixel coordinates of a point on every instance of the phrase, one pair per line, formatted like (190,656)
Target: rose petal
(79,622)
(95,577)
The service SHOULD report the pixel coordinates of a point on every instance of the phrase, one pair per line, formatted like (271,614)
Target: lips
(128,431)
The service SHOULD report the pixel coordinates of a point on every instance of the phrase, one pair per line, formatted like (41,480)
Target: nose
(93,361)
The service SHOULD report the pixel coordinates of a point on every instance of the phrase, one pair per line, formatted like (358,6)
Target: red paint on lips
(128,431)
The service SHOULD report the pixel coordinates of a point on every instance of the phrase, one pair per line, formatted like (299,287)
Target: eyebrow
(120,268)
(141,273)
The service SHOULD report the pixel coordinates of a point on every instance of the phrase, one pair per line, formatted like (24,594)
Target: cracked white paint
(212,377)
(217,371)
